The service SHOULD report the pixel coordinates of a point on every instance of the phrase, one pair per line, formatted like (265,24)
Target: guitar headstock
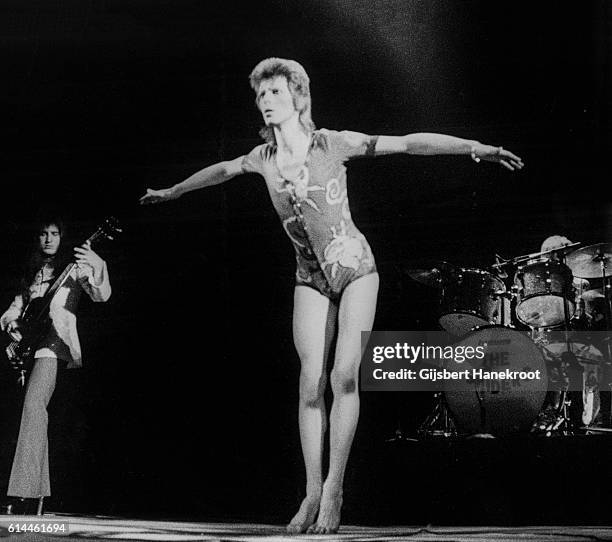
(110,227)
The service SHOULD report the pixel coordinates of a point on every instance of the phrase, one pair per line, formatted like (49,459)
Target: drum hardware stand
(483,411)
(567,327)
(440,422)
(511,296)
(589,263)
(562,423)
(607,351)
(399,436)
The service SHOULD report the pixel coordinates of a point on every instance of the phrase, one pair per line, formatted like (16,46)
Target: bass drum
(498,406)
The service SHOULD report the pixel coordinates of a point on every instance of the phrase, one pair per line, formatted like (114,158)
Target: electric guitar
(35,322)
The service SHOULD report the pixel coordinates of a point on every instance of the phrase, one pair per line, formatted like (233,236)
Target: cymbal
(585,262)
(429,272)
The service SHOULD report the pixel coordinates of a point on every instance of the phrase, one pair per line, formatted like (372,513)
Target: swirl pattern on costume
(314,210)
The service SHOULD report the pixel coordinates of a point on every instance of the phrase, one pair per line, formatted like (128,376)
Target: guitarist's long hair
(36,259)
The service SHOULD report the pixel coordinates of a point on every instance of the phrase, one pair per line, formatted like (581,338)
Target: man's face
(275,101)
(49,240)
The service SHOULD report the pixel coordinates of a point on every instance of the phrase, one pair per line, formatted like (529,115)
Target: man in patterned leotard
(336,279)
(314,210)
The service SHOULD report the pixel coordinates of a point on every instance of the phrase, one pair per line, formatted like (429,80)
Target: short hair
(298,83)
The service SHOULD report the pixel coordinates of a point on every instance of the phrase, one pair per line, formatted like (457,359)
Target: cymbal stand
(570,358)
(440,422)
(607,351)
(573,372)
(562,423)
(606,294)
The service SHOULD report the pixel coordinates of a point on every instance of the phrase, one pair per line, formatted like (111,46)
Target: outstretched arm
(209,176)
(429,144)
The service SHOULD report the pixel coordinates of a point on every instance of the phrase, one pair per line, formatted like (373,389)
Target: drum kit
(545,307)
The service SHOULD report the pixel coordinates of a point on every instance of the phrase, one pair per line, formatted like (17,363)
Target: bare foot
(328,520)
(305,516)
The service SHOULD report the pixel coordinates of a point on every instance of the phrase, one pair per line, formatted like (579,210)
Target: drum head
(545,310)
(545,293)
(459,323)
(498,406)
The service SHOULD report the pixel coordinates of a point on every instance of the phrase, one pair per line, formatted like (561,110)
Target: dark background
(187,406)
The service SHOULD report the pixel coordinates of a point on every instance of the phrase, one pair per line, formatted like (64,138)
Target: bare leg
(356,314)
(314,319)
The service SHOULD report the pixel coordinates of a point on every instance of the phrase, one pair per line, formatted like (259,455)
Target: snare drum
(471,298)
(498,406)
(544,290)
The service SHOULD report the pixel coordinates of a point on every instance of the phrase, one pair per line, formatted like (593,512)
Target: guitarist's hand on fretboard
(84,255)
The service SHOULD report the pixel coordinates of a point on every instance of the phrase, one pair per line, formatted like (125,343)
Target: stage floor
(106,528)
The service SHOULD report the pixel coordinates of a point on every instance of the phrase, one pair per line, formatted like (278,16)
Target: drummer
(590,303)
(554,242)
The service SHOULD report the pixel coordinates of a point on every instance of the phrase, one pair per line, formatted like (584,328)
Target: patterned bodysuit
(314,210)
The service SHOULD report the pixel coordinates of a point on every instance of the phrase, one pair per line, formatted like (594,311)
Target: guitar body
(35,323)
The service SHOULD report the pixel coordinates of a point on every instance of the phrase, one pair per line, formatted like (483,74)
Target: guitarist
(29,481)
